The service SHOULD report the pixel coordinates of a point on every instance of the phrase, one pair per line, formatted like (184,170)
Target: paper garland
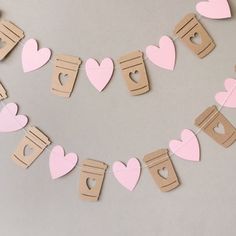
(132,63)
(163,56)
(158,162)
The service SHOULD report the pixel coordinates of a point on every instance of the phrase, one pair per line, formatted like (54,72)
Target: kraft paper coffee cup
(189,28)
(133,63)
(210,121)
(10,35)
(92,170)
(157,162)
(36,142)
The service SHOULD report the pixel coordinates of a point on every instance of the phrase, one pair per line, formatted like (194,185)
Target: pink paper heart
(228,98)
(61,164)
(214,9)
(127,176)
(32,58)
(164,55)
(9,120)
(99,75)
(188,148)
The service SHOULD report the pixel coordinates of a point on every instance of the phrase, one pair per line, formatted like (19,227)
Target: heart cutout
(91,183)
(99,75)
(63,78)
(214,9)
(135,76)
(9,120)
(61,164)
(163,56)
(196,39)
(2,43)
(163,172)
(32,58)
(219,129)
(188,147)
(228,97)
(28,151)
(127,175)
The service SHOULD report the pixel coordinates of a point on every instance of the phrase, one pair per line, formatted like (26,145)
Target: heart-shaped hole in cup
(135,76)
(219,129)
(163,172)
(91,183)
(196,39)
(2,43)
(63,78)
(28,150)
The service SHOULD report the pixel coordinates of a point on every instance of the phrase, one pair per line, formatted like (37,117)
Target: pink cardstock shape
(99,75)
(127,175)
(188,147)
(32,58)
(214,9)
(61,164)
(228,97)
(163,56)
(9,120)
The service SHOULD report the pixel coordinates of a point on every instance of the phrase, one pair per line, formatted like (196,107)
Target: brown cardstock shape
(35,141)
(66,66)
(95,171)
(10,35)
(210,119)
(188,28)
(134,63)
(158,161)
(3,92)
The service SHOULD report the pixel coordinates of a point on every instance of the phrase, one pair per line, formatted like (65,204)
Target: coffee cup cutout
(91,183)
(217,126)
(10,35)
(30,147)
(163,173)
(134,72)
(2,43)
(64,75)
(92,175)
(194,35)
(3,92)
(162,170)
